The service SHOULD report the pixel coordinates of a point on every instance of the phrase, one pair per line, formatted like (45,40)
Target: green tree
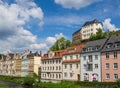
(99,35)
(60,44)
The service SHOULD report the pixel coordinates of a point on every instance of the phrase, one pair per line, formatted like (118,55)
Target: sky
(37,24)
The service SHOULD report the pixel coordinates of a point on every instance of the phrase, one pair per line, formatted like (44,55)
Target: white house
(91,61)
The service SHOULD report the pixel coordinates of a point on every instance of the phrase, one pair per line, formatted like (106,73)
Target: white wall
(95,70)
(74,71)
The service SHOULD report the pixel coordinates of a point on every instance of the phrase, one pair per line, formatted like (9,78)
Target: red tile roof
(57,55)
(74,49)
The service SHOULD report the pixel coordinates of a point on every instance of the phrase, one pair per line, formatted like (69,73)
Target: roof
(74,49)
(56,55)
(91,22)
(11,55)
(33,54)
(113,43)
(94,46)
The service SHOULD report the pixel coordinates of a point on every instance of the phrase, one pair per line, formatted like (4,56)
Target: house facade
(25,64)
(34,63)
(90,62)
(89,28)
(51,68)
(111,59)
(30,63)
(71,63)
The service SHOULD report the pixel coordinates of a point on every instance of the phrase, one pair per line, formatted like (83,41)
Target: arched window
(95,77)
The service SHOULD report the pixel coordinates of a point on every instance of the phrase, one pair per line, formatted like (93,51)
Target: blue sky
(37,24)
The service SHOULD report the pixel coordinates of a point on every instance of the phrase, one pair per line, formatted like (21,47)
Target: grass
(3,86)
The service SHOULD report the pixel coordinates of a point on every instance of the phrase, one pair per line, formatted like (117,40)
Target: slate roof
(113,43)
(94,46)
(11,55)
(91,22)
(33,54)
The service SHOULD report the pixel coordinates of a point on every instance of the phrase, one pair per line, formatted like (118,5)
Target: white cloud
(51,40)
(108,26)
(69,20)
(13,18)
(77,4)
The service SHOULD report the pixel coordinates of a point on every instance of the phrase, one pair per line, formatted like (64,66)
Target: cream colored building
(34,64)
(51,69)
(89,28)
(71,63)
(30,63)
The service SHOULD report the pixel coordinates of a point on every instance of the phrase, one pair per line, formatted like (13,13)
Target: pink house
(111,59)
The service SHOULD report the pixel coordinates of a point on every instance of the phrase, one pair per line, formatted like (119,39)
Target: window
(115,76)
(59,75)
(107,54)
(85,66)
(65,66)
(84,57)
(53,75)
(56,67)
(59,67)
(71,74)
(107,66)
(115,65)
(77,66)
(56,61)
(71,57)
(65,57)
(107,76)
(96,65)
(90,67)
(65,74)
(76,56)
(96,57)
(115,54)
(59,61)
(90,58)
(56,75)
(70,66)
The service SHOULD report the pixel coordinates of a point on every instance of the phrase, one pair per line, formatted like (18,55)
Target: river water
(12,85)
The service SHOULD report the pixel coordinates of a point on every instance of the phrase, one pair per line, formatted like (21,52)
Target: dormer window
(109,45)
(72,50)
(97,47)
(84,49)
(89,48)
(117,44)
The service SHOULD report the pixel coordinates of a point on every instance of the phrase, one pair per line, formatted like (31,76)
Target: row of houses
(20,64)
(97,60)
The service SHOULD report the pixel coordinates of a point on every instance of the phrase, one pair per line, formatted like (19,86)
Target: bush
(28,81)
(118,83)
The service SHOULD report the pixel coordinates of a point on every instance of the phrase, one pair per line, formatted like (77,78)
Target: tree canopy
(60,44)
(101,35)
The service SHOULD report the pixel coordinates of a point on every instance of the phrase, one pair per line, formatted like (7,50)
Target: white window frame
(107,76)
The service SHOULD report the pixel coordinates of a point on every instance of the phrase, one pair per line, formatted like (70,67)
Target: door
(78,77)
